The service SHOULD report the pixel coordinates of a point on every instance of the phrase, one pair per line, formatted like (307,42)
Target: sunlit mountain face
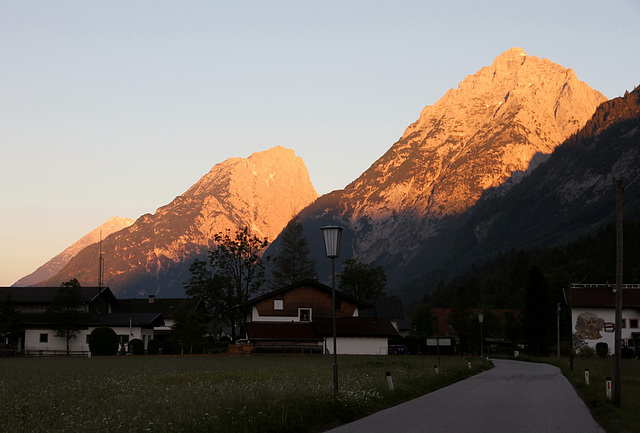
(483,137)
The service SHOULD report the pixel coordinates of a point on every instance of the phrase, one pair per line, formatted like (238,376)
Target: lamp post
(481,319)
(332,237)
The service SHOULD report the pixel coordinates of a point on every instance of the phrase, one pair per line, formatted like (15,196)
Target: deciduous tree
(67,310)
(10,321)
(363,280)
(234,272)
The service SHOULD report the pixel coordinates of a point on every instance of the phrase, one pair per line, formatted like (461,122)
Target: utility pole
(617,391)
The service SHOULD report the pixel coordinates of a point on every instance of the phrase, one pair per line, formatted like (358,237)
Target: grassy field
(210,393)
(614,420)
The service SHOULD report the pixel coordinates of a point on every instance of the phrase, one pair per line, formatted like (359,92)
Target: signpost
(438,342)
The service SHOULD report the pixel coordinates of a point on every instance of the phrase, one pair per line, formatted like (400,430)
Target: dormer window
(304,314)
(278,304)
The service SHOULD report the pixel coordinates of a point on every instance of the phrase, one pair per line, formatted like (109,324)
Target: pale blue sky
(114,108)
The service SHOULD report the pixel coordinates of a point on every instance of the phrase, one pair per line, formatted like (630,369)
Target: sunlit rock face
(54,265)
(261,192)
(499,123)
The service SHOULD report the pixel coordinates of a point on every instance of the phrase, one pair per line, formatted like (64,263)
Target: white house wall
(590,323)
(80,343)
(358,346)
(32,341)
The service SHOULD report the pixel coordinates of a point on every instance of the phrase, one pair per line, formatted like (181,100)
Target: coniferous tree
(538,312)
(294,262)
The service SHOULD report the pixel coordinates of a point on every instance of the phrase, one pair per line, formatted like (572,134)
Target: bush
(627,353)
(153,347)
(103,341)
(170,347)
(136,347)
(602,350)
(587,351)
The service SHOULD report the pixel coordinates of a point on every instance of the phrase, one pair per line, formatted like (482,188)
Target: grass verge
(210,393)
(625,419)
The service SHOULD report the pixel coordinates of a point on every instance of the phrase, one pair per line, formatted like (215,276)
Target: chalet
(38,334)
(593,313)
(298,318)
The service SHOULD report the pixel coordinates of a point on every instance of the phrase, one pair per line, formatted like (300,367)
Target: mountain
(486,135)
(53,266)
(153,255)
(572,194)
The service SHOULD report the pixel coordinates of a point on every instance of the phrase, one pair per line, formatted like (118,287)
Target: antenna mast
(100,264)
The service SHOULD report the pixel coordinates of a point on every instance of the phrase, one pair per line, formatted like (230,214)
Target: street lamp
(332,237)
(481,319)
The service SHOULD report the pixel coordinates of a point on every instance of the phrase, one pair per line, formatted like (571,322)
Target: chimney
(152,299)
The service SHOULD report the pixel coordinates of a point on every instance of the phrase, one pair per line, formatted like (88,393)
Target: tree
(424,321)
(234,272)
(10,321)
(189,329)
(103,341)
(294,262)
(363,280)
(67,310)
(538,312)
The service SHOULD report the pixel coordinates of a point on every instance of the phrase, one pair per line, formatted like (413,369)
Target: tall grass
(209,393)
(614,420)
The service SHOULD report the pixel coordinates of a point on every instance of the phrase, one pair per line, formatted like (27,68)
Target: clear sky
(114,108)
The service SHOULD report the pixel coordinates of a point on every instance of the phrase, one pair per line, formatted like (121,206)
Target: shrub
(170,347)
(103,341)
(587,351)
(136,347)
(602,349)
(153,347)
(627,352)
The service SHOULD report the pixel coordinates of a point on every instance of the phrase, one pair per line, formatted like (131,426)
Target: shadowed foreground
(514,397)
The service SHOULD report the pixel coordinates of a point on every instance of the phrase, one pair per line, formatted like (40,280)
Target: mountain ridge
(153,255)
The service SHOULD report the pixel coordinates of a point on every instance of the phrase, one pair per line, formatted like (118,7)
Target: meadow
(614,420)
(210,393)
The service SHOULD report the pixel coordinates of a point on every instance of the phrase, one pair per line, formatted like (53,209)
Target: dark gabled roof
(601,295)
(44,295)
(295,331)
(384,308)
(355,327)
(109,319)
(124,319)
(166,306)
(308,282)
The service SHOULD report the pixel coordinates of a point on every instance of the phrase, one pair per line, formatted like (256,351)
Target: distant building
(593,312)
(298,318)
(37,336)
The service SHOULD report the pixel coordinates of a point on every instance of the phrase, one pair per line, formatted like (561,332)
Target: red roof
(362,327)
(355,327)
(294,331)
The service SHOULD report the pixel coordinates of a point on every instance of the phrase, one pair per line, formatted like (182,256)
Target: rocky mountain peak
(153,255)
(499,123)
(54,265)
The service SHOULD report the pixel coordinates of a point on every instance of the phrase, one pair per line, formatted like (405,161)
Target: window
(623,323)
(633,323)
(278,304)
(44,338)
(305,314)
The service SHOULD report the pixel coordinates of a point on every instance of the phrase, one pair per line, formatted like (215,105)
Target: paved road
(513,397)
